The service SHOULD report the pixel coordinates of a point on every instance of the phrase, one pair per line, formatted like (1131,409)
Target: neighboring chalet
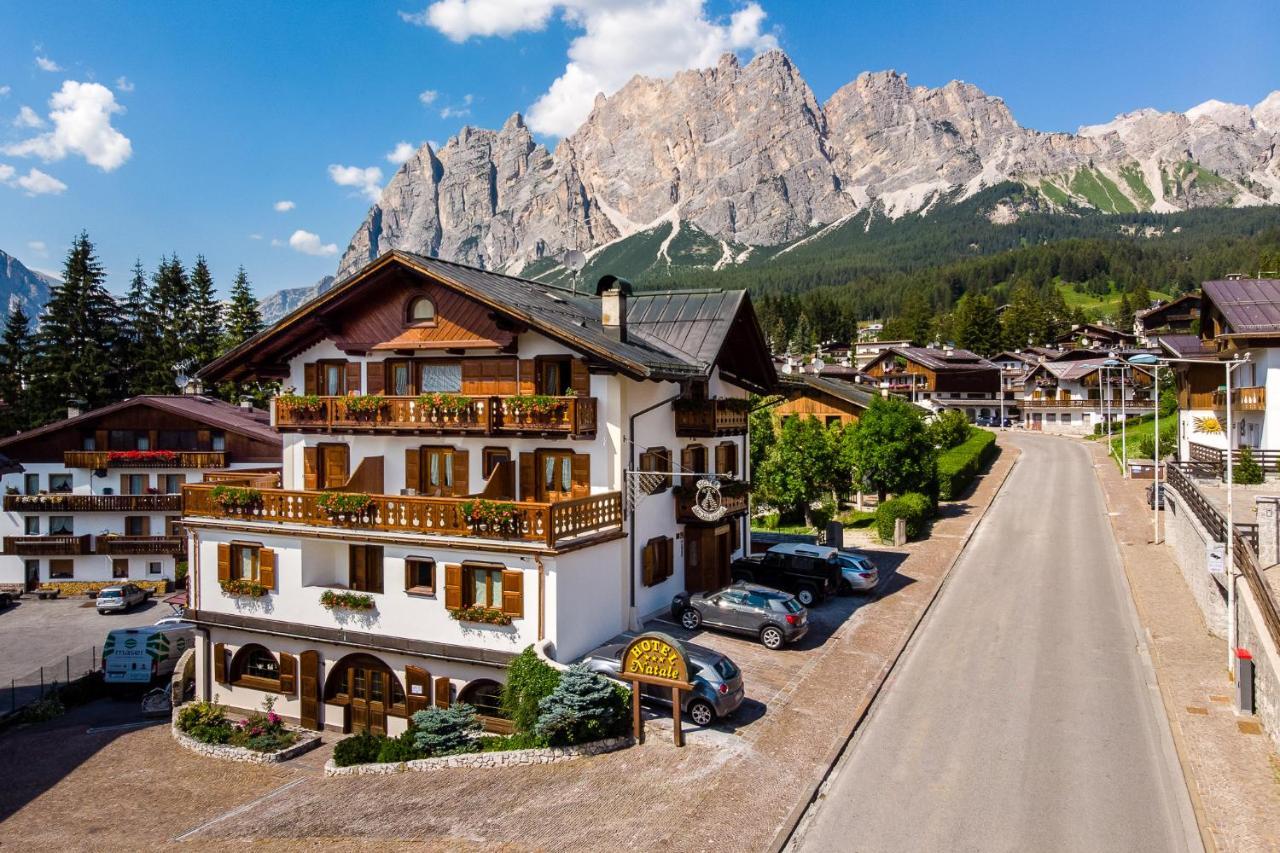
(831,401)
(1175,317)
(96,498)
(1070,396)
(1095,336)
(939,378)
(457,450)
(865,352)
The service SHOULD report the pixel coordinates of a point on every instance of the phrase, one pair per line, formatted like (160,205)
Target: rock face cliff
(22,286)
(748,157)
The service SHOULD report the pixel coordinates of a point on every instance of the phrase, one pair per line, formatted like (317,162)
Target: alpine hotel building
(456,449)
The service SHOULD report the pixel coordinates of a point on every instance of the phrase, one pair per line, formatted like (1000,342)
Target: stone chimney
(75,408)
(613,312)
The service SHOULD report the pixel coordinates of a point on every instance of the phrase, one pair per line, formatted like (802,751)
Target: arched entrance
(485,695)
(369,689)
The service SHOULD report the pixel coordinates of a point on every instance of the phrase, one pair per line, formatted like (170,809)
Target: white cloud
(399,155)
(277,242)
(255,236)
(28,117)
(6,172)
(39,247)
(36,182)
(283,206)
(47,64)
(124,84)
(309,244)
(428,97)
(619,40)
(81,115)
(4,91)
(455,112)
(367,181)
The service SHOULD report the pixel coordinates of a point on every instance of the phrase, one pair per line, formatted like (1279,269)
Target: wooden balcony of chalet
(1094,405)
(1250,399)
(441,414)
(48,546)
(549,524)
(100,459)
(120,545)
(68,502)
(713,417)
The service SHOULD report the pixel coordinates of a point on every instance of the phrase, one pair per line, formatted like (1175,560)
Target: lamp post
(1115,362)
(1151,360)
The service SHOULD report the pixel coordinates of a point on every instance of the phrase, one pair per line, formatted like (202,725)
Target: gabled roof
(1192,300)
(1183,346)
(1074,371)
(838,388)
(1099,329)
(670,335)
(939,359)
(1250,306)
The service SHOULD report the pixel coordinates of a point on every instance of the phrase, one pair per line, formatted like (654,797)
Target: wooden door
(333,466)
(309,689)
(555,475)
(708,551)
(368,688)
(554,376)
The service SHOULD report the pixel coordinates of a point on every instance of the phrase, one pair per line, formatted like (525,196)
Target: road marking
(120,727)
(240,809)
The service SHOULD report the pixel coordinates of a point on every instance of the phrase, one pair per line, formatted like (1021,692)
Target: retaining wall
(1189,541)
(510,758)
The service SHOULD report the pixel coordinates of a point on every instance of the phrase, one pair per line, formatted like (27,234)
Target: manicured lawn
(1097,306)
(1134,434)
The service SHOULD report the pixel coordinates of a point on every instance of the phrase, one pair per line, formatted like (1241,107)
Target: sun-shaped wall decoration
(1209,425)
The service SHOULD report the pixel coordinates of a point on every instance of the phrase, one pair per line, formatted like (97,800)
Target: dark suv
(811,572)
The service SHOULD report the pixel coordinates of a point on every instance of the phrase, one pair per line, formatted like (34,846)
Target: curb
(792,821)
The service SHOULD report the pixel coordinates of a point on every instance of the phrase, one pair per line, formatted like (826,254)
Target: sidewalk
(1232,770)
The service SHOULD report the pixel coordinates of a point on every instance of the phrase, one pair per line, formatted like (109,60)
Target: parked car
(811,572)
(858,572)
(1151,496)
(717,681)
(118,599)
(985,421)
(6,599)
(142,655)
(773,617)
(174,620)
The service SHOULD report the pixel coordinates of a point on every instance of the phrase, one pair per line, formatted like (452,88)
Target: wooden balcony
(573,417)
(550,524)
(734,504)
(92,503)
(117,545)
(249,477)
(1094,405)
(47,546)
(98,459)
(710,417)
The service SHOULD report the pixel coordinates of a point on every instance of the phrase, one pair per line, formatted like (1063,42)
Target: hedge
(958,466)
(913,506)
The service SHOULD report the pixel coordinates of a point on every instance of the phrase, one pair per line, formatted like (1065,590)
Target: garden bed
(260,738)
(509,758)
(307,741)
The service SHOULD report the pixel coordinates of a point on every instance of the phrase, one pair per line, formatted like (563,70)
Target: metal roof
(1249,305)
(1183,346)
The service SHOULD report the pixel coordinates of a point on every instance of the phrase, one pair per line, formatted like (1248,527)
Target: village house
(1095,336)
(834,402)
(1175,317)
(472,464)
(939,378)
(1072,395)
(96,499)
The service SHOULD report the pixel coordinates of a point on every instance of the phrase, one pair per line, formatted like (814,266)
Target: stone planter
(307,741)
(484,760)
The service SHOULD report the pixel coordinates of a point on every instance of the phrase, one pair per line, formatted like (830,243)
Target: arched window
(421,310)
(485,695)
(254,661)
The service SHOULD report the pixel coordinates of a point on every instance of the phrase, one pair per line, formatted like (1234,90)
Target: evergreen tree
(16,347)
(75,346)
(244,320)
(204,339)
(1124,314)
(975,324)
(584,706)
(1023,322)
(139,336)
(170,305)
(913,322)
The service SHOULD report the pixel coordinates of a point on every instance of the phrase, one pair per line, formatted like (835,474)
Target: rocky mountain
(18,284)
(715,164)
(283,301)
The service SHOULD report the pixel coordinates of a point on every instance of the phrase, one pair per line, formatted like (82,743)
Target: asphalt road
(1024,715)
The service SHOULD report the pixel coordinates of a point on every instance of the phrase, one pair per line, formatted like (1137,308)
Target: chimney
(246,404)
(75,408)
(613,312)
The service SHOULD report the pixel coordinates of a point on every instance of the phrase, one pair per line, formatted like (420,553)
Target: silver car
(771,616)
(717,681)
(858,572)
(118,599)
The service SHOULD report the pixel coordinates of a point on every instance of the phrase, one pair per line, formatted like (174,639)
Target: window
(400,378)
(364,568)
(31,525)
(833,420)
(656,459)
(217,442)
(485,696)
(245,561)
(172,483)
(143,441)
(31,484)
(493,457)
(176,439)
(438,471)
(553,376)
(445,377)
(332,378)
(173,525)
(134,484)
(727,458)
(59,482)
(137,525)
(694,460)
(420,576)
(257,662)
(1066,417)
(62,525)
(88,442)
(123,439)
(421,310)
(120,568)
(482,586)
(61,569)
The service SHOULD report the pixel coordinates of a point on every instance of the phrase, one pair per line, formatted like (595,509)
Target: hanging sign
(707,504)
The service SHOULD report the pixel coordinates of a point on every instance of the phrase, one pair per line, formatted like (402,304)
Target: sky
(257,134)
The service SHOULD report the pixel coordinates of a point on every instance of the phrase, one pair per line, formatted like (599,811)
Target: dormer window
(421,310)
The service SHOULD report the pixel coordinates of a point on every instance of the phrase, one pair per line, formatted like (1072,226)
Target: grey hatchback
(717,681)
(773,616)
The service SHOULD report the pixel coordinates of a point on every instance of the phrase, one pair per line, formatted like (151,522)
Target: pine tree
(16,347)
(975,325)
(75,346)
(585,706)
(1023,322)
(914,321)
(244,320)
(170,305)
(140,337)
(204,338)
(1124,314)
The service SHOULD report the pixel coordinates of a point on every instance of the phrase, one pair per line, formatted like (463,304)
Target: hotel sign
(661,660)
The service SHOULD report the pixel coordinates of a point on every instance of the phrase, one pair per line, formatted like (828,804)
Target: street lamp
(1115,362)
(1146,359)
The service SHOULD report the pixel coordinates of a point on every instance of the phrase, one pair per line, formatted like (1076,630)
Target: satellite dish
(574,260)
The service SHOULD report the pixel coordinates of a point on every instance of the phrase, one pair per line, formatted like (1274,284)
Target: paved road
(1023,716)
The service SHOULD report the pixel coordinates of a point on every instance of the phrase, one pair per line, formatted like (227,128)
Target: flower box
(332,599)
(242,588)
(236,499)
(302,405)
(491,517)
(344,506)
(483,615)
(140,457)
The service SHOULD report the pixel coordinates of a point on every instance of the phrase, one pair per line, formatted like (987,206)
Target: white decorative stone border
(307,741)
(510,758)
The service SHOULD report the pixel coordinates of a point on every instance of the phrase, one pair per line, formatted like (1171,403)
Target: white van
(139,655)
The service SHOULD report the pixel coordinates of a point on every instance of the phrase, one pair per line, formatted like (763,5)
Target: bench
(48,593)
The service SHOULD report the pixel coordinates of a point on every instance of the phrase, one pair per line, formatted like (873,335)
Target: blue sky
(225,110)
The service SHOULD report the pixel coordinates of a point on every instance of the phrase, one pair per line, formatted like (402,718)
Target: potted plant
(242,588)
(128,458)
(366,407)
(491,517)
(483,615)
(335,599)
(303,406)
(236,499)
(344,506)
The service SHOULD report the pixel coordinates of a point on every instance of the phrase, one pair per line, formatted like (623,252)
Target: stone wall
(1189,542)
(307,741)
(511,758)
(1252,635)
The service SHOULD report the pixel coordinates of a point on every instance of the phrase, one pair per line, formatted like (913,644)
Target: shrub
(958,466)
(395,749)
(205,721)
(43,709)
(1246,471)
(583,707)
(530,679)
(262,731)
(362,748)
(913,506)
(445,731)
(949,429)
(519,740)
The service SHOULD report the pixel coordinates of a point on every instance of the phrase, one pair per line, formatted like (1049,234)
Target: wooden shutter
(288,673)
(474,377)
(224,561)
(310,465)
(668,554)
(337,468)
(663,461)
(309,690)
(220,663)
(100,438)
(126,485)
(513,593)
(442,691)
(528,380)
(647,564)
(413,468)
(267,568)
(453,586)
(505,376)
(528,477)
(375,380)
(580,472)
(461,473)
(353,377)
(580,379)
(416,676)
(310,378)
(686,459)
(146,526)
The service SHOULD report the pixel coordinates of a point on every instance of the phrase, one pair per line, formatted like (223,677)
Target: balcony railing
(139,545)
(711,417)
(253,478)
(47,546)
(92,503)
(97,459)
(1095,405)
(485,415)
(546,523)
(1212,461)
